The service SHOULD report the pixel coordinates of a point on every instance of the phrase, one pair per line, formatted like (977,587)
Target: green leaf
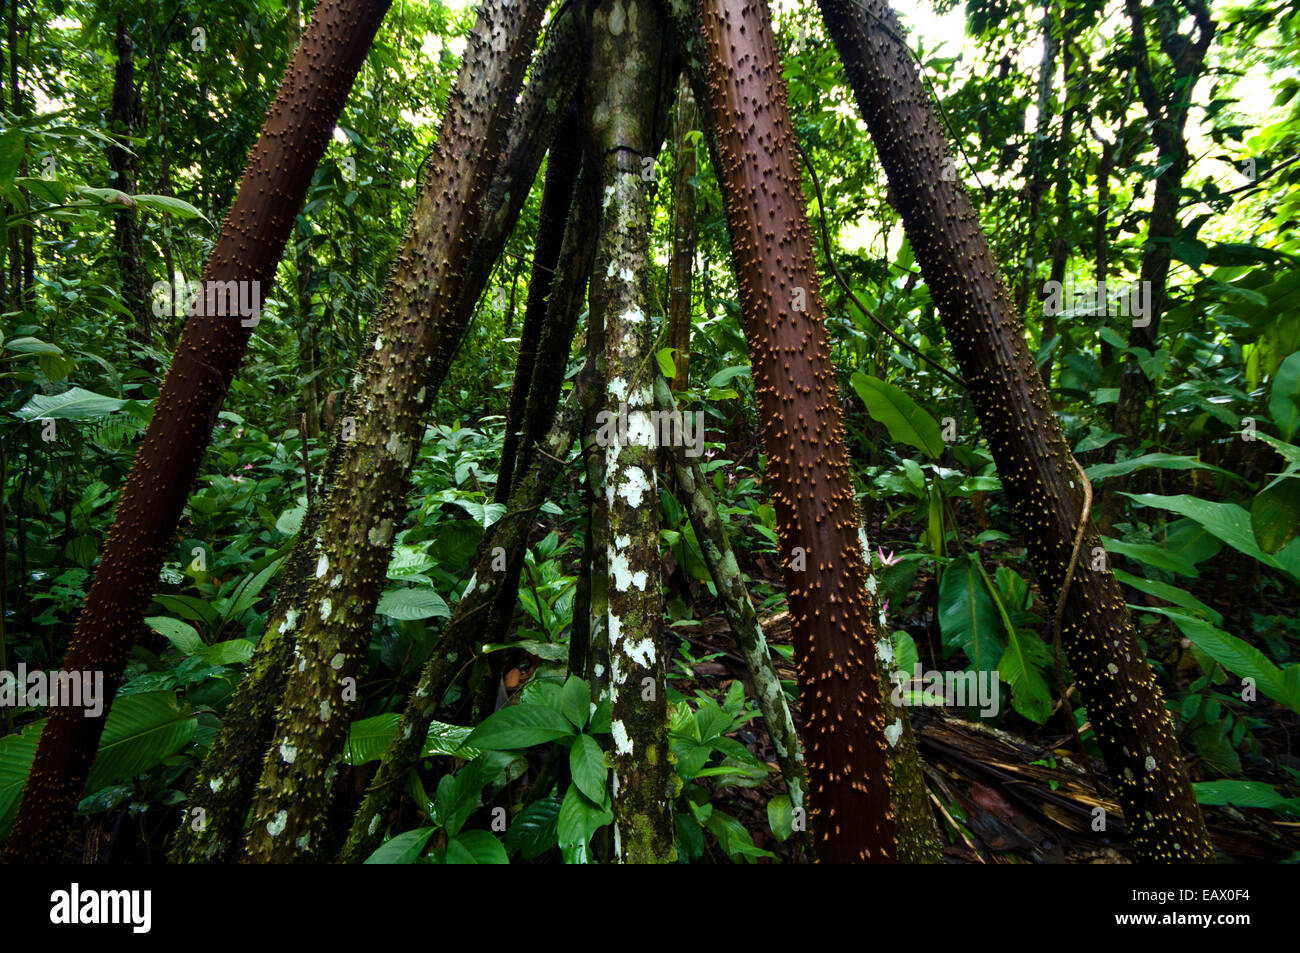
(402,849)
(290,520)
(408,604)
(520,726)
(780,816)
(1229,522)
(368,738)
(1236,655)
(534,830)
(140,731)
(475,847)
(72,404)
(1162,590)
(906,421)
(1151,555)
(1193,251)
(968,617)
(29,345)
(174,206)
(1244,794)
(1275,513)
(1021,663)
(16,755)
(579,818)
(728,374)
(180,634)
(1282,401)
(667,366)
(232,652)
(575,701)
(1164,461)
(248,590)
(587,765)
(449,740)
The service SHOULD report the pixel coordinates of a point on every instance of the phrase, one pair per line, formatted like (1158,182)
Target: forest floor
(1001,797)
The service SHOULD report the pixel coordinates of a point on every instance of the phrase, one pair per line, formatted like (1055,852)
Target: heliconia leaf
(140,731)
(968,617)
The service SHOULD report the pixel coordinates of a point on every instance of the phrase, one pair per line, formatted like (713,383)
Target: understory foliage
(1196,496)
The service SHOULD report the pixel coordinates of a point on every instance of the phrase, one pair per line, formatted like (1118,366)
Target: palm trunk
(799,405)
(1041,478)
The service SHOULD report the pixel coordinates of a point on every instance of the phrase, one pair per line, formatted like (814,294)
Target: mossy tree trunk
(737,607)
(1041,478)
(272,189)
(808,465)
(622,93)
(418,334)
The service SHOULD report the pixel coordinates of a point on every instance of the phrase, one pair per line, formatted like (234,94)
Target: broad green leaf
(174,206)
(1245,794)
(727,375)
(906,421)
(231,652)
(475,847)
(1021,663)
(575,701)
(780,816)
(180,634)
(1162,590)
(407,604)
(968,618)
(667,367)
(520,726)
(368,738)
(402,849)
(1151,555)
(533,831)
(35,346)
(17,752)
(1282,399)
(72,404)
(1163,461)
(1229,522)
(579,818)
(248,591)
(140,731)
(290,521)
(587,765)
(449,740)
(1236,655)
(1275,513)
